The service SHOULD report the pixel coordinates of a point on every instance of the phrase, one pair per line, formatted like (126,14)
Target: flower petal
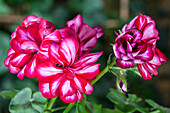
(99,30)
(125,64)
(13,70)
(7,60)
(147,55)
(64,32)
(44,89)
(69,99)
(21,74)
(163,58)
(68,49)
(79,83)
(54,85)
(88,89)
(54,55)
(47,70)
(149,32)
(31,66)
(116,50)
(79,95)
(30,20)
(75,23)
(65,88)
(145,74)
(86,33)
(87,59)
(19,59)
(89,45)
(140,22)
(54,36)
(29,47)
(89,72)
(150,68)
(155,60)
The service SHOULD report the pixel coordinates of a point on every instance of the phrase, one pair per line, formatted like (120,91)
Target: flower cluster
(136,44)
(59,58)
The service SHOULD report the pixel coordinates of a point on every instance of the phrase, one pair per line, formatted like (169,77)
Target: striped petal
(125,64)
(44,89)
(145,74)
(47,70)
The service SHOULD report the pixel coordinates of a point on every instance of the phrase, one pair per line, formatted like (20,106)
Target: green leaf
(109,60)
(152,103)
(97,108)
(8,94)
(81,107)
(116,97)
(38,107)
(38,98)
(23,103)
(106,110)
(25,108)
(22,97)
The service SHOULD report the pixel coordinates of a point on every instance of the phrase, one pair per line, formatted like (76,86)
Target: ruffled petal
(54,55)
(69,99)
(7,60)
(54,85)
(86,33)
(89,45)
(163,58)
(64,32)
(47,70)
(125,64)
(145,74)
(150,68)
(89,72)
(54,36)
(99,30)
(75,23)
(13,70)
(79,95)
(21,74)
(30,20)
(79,83)
(68,49)
(155,60)
(147,55)
(21,34)
(116,50)
(44,89)
(88,89)
(149,32)
(29,47)
(65,88)
(10,51)
(31,66)
(33,35)
(19,59)
(87,59)
(140,22)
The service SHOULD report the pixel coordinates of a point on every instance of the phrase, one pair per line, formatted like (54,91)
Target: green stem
(59,108)
(50,105)
(69,107)
(104,71)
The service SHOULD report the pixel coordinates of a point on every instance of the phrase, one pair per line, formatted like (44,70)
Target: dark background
(111,15)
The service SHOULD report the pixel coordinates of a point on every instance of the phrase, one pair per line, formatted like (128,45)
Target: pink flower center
(69,73)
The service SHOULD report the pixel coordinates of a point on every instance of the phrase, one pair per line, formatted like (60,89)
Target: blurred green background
(111,15)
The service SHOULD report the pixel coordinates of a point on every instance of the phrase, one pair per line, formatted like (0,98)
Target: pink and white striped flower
(25,45)
(137,45)
(66,75)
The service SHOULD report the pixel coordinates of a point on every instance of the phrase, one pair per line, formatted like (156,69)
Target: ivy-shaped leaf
(25,102)
(8,94)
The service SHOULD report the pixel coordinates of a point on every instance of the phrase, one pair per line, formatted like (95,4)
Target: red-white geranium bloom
(137,45)
(25,44)
(66,75)
(84,34)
